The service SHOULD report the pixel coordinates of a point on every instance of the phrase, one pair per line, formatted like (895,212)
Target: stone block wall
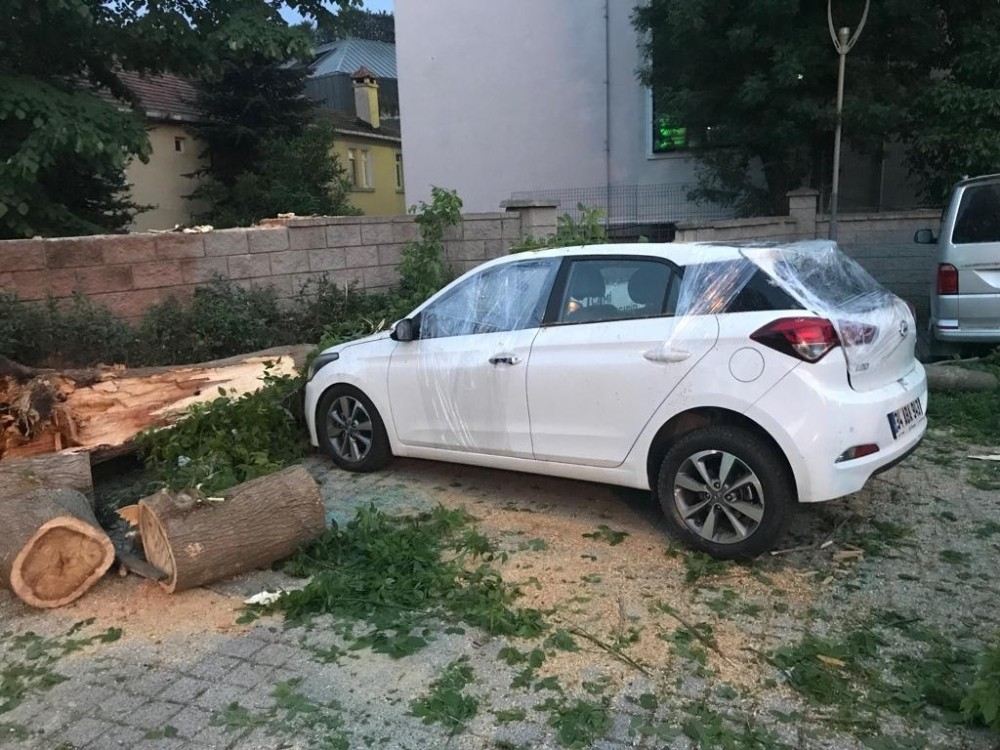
(129,273)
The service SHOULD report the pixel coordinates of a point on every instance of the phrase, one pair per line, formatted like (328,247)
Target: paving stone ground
(193,682)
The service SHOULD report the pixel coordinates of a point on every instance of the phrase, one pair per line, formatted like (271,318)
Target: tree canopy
(269,151)
(753,84)
(65,116)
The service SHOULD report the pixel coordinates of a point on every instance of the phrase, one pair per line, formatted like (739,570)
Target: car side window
(601,289)
(762,293)
(509,297)
(978,216)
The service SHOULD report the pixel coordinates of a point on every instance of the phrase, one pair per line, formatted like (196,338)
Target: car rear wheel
(725,491)
(351,430)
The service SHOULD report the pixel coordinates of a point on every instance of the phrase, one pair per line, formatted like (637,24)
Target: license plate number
(905,418)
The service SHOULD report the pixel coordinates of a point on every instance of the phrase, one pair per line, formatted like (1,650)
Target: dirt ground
(891,589)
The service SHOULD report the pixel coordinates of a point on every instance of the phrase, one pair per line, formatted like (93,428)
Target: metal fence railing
(632,209)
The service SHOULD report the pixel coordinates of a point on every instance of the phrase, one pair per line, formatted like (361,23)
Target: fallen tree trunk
(950,378)
(52,549)
(69,471)
(101,410)
(197,540)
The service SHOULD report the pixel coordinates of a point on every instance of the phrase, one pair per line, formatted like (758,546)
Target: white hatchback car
(730,381)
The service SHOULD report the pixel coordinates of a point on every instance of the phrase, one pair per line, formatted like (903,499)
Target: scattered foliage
(579,724)
(445,703)
(28,660)
(399,573)
(228,440)
(292,715)
(561,640)
(698,565)
(982,700)
(605,533)
(861,672)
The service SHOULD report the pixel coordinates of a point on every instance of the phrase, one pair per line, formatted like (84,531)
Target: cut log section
(101,410)
(197,540)
(949,378)
(52,549)
(68,471)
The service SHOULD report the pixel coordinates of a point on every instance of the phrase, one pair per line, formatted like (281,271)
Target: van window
(978,216)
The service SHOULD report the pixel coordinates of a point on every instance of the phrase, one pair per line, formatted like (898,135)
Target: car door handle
(504,359)
(666,354)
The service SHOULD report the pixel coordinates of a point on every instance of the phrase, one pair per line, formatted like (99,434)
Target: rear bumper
(964,335)
(814,434)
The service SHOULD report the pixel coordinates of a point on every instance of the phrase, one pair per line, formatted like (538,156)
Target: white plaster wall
(498,97)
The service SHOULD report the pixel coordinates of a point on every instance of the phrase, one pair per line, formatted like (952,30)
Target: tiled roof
(344,122)
(347,55)
(163,97)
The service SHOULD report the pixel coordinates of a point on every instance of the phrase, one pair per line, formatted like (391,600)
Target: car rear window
(978,216)
(762,293)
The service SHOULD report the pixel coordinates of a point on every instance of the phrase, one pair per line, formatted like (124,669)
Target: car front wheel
(725,491)
(351,430)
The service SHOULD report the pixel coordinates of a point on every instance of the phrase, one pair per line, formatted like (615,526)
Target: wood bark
(69,471)
(52,549)
(197,540)
(102,409)
(950,378)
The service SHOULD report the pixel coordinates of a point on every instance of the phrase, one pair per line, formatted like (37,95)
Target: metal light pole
(843,42)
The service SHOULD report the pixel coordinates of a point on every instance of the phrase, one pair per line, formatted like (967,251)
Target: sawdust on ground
(144,610)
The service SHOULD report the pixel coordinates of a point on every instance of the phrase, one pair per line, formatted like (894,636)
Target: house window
(179,144)
(367,178)
(668,135)
(352,167)
(399,171)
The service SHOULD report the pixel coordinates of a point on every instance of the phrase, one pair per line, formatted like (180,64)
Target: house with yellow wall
(163,182)
(370,151)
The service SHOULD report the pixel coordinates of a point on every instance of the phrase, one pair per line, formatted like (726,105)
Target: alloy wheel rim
(349,429)
(719,497)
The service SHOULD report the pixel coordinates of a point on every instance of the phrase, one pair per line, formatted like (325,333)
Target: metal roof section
(348,55)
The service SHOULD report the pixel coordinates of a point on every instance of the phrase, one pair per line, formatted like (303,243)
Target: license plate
(905,418)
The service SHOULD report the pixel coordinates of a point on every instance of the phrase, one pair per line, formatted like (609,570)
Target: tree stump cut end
(61,561)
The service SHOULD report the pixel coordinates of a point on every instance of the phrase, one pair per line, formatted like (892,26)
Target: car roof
(985,178)
(681,253)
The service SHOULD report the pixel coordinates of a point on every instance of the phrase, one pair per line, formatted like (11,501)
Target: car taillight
(856,334)
(947,279)
(808,339)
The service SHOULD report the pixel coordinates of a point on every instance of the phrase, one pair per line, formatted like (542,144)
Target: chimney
(366,96)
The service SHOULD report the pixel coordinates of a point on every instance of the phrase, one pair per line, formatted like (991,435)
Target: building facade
(528,99)
(370,151)
(176,155)
(525,96)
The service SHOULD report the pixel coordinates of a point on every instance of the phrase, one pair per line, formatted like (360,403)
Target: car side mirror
(404,330)
(924,237)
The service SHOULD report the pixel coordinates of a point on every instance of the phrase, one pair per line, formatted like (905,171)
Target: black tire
(376,455)
(751,453)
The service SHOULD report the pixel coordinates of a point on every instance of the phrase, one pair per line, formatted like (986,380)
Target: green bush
(982,699)
(589,230)
(422,269)
(75,332)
